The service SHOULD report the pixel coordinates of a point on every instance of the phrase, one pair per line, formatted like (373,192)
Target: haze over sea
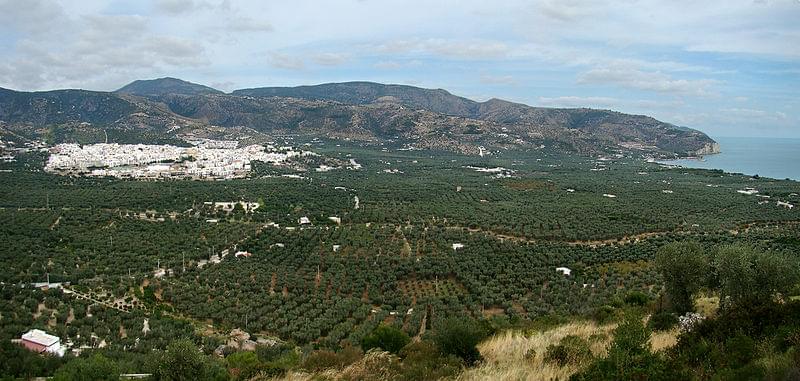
(767,157)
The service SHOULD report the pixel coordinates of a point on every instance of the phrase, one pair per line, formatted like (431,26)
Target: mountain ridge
(365,111)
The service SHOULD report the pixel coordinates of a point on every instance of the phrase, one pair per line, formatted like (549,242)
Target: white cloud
(330,59)
(624,105)
(499,80)
(647,80)
(248,24)
(396,65)
(285,61)
(179,7)
(457,48)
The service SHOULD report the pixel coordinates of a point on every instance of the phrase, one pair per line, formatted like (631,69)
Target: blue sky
(729,68)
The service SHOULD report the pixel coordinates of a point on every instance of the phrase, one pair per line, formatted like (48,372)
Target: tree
(745,275)
(183,361)
(386,337)
(95,368)
(684,267)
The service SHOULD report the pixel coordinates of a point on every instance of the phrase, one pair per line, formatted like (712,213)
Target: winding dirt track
(628,239)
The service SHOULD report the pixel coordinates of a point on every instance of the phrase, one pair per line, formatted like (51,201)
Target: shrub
(325,359)
(422,361)
(570,350)
(273,352)
(662,321)
(183,361)
(604,314)
(740,350)
(460,337)
(95,368)
(637,298)
(629,357)
(385,337)
(243,365)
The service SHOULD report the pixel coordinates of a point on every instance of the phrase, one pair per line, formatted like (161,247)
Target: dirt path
(624,240)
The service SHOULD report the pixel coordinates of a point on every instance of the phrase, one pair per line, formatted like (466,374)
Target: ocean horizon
(777,158)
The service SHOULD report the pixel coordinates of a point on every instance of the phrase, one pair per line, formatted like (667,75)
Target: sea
(777,158)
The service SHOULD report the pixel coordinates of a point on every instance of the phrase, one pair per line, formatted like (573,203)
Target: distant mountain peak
(166,85)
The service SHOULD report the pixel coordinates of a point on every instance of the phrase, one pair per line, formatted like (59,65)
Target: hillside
(601,126)
(439,101)
(370,112)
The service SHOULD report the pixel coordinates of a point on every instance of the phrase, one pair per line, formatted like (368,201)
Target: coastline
(763,157)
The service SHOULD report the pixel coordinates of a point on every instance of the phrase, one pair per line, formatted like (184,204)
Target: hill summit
(166,85)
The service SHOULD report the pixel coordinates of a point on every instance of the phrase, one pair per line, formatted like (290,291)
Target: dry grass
(707,305)
(663,340)
(514,355)
(375,365)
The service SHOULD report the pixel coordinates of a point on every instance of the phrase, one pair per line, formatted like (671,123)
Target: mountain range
(169,109)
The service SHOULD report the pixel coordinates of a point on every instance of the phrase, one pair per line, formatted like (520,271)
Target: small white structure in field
(457,246)
(335,219)
(355,200)
(564,270)
(277,245)
(609,195)
(146,326)
(304,221)
(747,191)
(336,248)
(785,204)
(667,191)
(570,190)
(245,254)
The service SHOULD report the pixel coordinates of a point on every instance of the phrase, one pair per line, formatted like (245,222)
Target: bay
(777,158)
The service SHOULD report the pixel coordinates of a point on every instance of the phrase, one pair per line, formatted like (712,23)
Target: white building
(41,342)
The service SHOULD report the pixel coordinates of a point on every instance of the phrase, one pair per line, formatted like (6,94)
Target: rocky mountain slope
(364,111)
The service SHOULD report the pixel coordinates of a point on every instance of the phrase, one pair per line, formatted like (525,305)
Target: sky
(726,67)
